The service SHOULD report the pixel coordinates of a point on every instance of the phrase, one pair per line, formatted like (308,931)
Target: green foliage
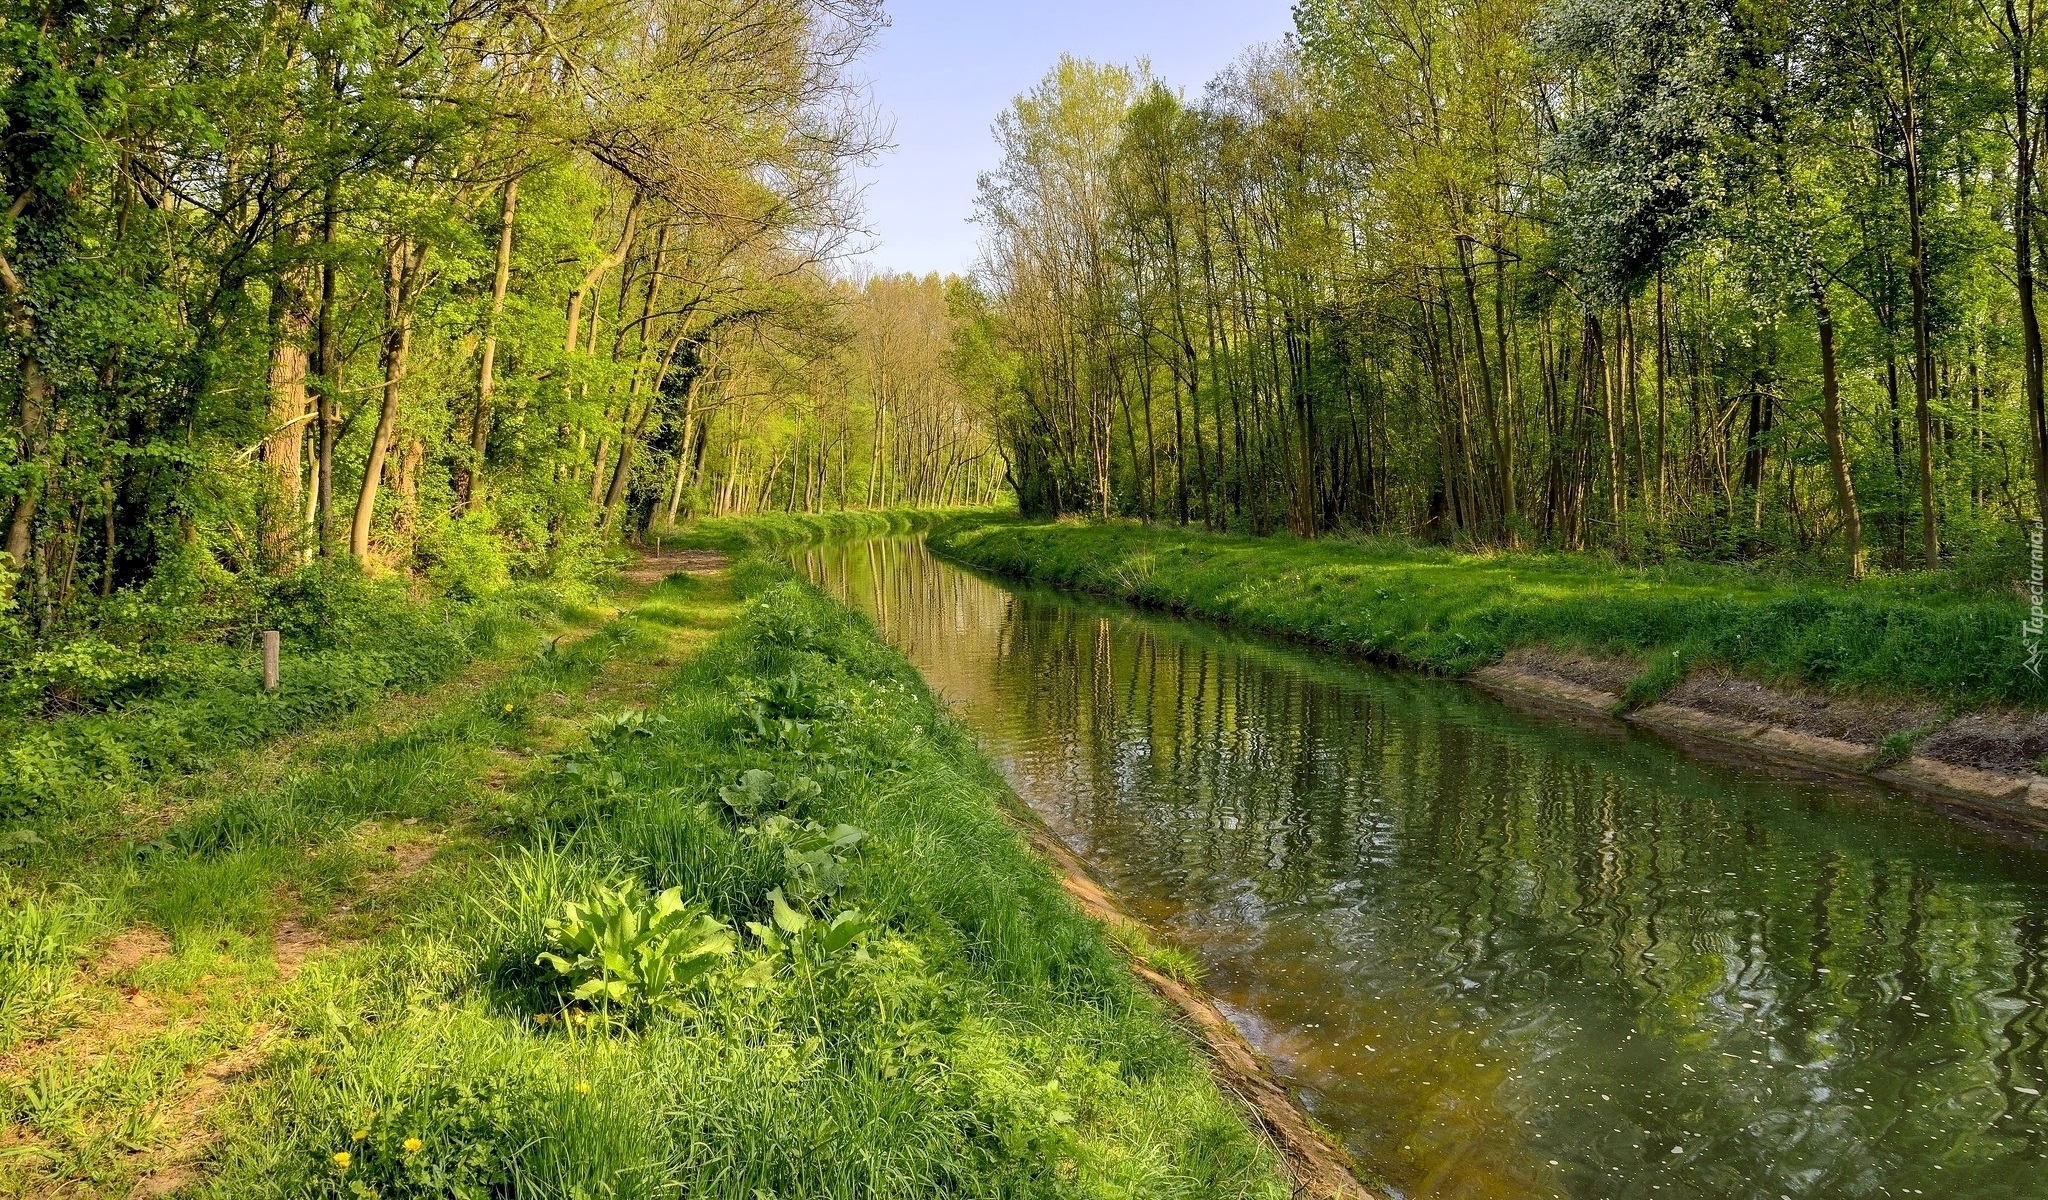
(759,791)
(466,559)
(1171,961)
(625,951)
(814,858)
(807,938)
(1657,278)
(41,940)
(1895,749)
(1665,671)
(141,712)
(773,531)
(288,287)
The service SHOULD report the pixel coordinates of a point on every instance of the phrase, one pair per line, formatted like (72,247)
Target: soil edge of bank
(1321,1169)
(1969,761)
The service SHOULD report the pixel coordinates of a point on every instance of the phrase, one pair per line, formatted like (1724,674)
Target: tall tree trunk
(1923,353)
(472,488)
(1831,427)
(283,450)
(36,396)
(1663,369)
(591,278)
(630,431)
(400,268)
(2026,147)
(327,370)
(684,459)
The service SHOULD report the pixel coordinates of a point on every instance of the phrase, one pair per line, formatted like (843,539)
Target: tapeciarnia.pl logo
(2037,616)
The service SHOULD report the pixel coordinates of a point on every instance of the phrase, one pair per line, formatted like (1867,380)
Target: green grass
(768,531)
(1450,612)
(91,713)
(331,948)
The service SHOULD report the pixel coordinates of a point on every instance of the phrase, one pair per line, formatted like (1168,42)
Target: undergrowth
(770,531)
(169,685)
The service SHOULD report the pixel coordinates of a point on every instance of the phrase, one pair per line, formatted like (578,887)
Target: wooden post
(270,641)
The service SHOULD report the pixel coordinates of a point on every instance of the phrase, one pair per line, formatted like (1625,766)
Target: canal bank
(1315,1163)
(1502,955)
(1901,681)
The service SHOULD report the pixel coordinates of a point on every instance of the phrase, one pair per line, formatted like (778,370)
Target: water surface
(1503,955)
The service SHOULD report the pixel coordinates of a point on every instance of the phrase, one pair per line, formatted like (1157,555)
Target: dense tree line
(1682,275)
(411,282)
(889,412)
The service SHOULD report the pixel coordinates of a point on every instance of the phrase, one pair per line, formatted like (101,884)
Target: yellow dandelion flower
(359,1135)
(412,1145)
(341,1160)
(583,1087)
(508,708)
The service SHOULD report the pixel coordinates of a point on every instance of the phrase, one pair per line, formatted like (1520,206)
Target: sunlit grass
(1444,611)
(317,976)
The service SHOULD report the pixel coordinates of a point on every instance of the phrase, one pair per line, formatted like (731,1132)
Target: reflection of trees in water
(1542,882)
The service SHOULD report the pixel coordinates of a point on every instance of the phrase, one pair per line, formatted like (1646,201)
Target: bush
(466,558)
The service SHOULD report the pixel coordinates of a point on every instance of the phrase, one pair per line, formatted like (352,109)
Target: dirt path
(652,568)
(119,1087)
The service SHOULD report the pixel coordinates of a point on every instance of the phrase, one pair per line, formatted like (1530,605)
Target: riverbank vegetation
(1676,280)
(1448,611)
(707,894)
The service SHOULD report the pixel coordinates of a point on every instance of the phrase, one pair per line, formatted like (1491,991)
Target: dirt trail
(141,1008)
(654,567)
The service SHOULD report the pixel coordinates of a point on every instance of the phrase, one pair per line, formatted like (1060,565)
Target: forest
(479,289)
(471,288)
(1669,278)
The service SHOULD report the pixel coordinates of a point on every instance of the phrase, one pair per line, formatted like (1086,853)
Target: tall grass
(178,704)
(1449,612)
(980,1039)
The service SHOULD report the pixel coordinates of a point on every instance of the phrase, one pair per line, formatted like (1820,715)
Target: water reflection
(1508,957)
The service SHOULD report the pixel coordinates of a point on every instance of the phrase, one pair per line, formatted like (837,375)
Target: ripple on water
(1509,958)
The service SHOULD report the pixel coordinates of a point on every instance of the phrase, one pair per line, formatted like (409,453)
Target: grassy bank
(807,955)
(173,682)
(1448,612)
(771,531)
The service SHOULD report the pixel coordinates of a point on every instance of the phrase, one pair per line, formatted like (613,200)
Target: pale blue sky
(945,68)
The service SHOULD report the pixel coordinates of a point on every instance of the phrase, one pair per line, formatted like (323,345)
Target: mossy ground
(327,947)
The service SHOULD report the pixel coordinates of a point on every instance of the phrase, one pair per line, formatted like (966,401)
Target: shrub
(466,558)
(627,952)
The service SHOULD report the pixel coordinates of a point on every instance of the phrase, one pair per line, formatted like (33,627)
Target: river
(1510,955)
